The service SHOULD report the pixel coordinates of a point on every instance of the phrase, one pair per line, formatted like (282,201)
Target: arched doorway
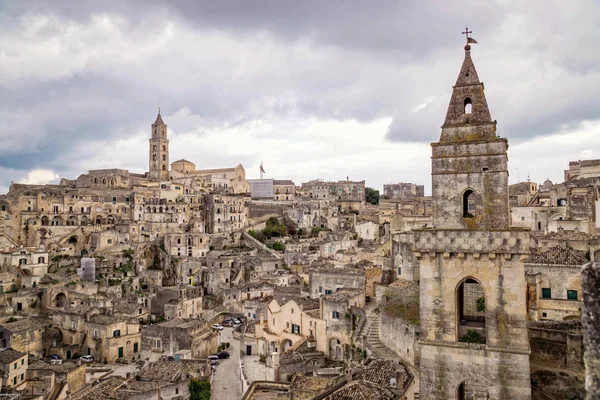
(336,350)
(470,311)
(60,300)
(287,345)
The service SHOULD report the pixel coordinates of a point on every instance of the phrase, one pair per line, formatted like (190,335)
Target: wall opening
(468,204)
(468,105)
(470,311)
(460,392)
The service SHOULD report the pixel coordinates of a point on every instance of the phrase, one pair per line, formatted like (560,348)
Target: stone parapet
(509,242)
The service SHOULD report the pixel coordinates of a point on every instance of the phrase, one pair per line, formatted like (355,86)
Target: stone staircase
(374,346)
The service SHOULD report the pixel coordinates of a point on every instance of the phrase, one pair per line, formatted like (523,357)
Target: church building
(474,340)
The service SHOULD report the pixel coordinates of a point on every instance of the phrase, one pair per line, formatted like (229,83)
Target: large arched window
(468,204)
(470,311)
(468,105)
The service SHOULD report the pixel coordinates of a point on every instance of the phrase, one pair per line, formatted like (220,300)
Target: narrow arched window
(468,105)
(468,204)
(460,392)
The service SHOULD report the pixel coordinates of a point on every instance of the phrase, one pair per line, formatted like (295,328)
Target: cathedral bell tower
(473,315)
(159,150)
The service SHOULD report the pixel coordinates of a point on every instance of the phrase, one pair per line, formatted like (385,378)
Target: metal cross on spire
(466,32)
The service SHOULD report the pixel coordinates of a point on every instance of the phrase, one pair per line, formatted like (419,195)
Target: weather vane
(469,39)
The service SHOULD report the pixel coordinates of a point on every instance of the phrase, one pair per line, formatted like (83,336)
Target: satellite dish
(393,382)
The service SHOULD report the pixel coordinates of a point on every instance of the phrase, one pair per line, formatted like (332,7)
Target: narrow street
(226,384)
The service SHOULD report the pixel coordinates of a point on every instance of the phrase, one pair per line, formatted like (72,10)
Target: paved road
(226,384)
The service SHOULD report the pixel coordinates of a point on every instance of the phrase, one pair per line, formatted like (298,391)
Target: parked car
(214,362)
(86,359)
(54,357)
(218,327)
(227,323)
(223,354)
(237,321)
(215,357)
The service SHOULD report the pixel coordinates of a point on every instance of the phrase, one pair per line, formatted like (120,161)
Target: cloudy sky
(314,89)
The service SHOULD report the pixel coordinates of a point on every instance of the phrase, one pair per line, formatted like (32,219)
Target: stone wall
(557,344)
(335,279)
(400,336)
(590,281)
(486,374)
(259,210)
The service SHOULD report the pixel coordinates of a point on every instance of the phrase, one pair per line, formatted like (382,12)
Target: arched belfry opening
(470,311)
(468,105)
(468,204)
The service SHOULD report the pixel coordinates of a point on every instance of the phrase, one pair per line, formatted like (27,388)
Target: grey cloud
(360,60)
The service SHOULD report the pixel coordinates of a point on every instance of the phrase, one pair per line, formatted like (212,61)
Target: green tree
(278,246)
(199,390)
(372,196)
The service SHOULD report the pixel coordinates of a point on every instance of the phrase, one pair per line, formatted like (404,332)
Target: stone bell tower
(159,150)
(474,341)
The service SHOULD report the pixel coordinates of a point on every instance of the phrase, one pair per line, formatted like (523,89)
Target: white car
(86,359)
(218,327)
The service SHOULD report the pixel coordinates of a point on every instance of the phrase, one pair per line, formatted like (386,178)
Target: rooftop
(361,390)
(180,323)
(283,182)
(564,234)
(22,325)
(103,319)
(558,255)
(311,383)
(381,371)
(342,294)
(162,370)
(9,355)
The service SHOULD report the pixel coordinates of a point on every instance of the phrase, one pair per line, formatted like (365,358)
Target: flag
(262,170)
(471,40)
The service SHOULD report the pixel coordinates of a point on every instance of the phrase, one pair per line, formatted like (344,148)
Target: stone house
(187,244)
(24,335)
(335,310)
(178,334)
(70,375)
(284,190)
(403,190)
(328,249)
(405,264)
(226,214)
(324,281)
(13,365)
(288,324)
(33,260)
(554,283)
(183,308)
(109,337)
(237,296)
(367,230)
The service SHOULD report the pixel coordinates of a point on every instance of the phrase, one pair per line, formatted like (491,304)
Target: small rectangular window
(546,293)
(399,270)
(572,294)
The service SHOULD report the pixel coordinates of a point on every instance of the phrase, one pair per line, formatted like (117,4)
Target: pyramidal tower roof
(468,111)
(159,120)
